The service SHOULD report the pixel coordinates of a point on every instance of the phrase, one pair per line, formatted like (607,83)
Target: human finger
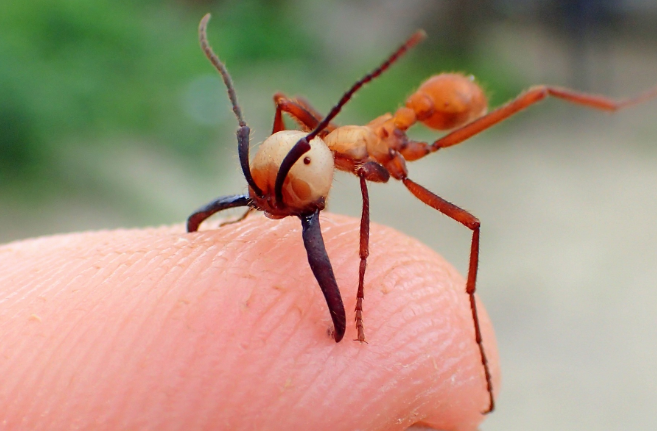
(227,329)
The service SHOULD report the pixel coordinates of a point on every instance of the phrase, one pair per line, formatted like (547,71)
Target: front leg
(307,119)
(301,111)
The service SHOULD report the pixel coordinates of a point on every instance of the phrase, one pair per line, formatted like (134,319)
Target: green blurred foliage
(79,71)
(102,102)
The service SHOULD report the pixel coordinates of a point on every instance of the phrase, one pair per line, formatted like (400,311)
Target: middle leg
(364,252)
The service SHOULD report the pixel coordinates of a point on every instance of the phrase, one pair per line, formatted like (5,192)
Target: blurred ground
(566,197)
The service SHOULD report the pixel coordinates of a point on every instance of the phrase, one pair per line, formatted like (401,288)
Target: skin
(158,329)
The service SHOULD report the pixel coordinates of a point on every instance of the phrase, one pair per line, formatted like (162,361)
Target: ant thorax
(353,146)
(349,145)
(306,186)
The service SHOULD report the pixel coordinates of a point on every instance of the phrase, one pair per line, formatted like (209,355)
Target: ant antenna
(214,59)
(303,145)
(415,38)
(243,131)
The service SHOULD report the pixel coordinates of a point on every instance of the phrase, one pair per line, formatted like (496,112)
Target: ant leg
(525,100)
(321,267)
(308,119)
(220,204)
(533,95)
(472,223)
(368,171)
(237,220)
(305,104)
(364,253)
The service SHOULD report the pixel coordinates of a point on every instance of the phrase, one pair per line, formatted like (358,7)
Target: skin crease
(226,328)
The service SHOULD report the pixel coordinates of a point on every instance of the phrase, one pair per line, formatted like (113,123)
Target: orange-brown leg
(305,118)
(525,100)
(305,104)
(363,252)
(301,111)
(472,223)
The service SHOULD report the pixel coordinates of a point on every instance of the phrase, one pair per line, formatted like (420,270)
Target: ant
(281,187)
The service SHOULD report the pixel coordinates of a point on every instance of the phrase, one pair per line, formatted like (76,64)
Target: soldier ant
(281,187)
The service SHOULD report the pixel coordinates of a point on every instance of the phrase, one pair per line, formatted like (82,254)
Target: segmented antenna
(415,38)
(214,59)
(303,145)
(244,131)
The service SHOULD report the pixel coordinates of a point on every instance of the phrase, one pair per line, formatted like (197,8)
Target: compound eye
(309,180)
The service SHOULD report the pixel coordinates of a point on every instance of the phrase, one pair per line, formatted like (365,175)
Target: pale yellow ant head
(306,186)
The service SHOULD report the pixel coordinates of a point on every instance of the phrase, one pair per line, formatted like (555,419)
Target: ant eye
(306,160)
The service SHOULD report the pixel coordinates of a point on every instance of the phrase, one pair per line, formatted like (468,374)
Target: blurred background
(110,116)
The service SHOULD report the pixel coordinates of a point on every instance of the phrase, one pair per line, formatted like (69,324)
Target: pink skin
(227,329)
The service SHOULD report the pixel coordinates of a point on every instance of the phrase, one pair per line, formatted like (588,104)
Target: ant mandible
(281,187)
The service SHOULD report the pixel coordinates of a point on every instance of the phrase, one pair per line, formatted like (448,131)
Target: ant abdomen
(447,101)
(308,182)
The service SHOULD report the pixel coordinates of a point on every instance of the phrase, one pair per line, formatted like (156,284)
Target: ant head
(307,183)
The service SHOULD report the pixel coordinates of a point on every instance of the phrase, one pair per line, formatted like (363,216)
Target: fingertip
(228,325)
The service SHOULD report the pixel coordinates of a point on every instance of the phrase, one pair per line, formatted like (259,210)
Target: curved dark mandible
(321,267)
(219,204)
